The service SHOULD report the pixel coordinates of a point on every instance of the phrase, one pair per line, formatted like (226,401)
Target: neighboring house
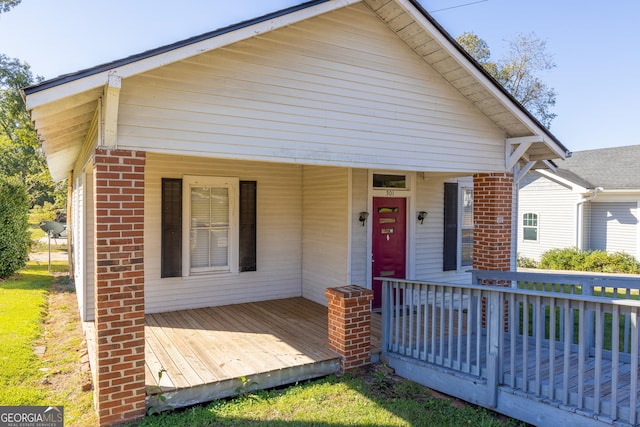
(592,202)
(315,147)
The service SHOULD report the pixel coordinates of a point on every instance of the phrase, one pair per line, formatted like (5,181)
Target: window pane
(219,207)
(467,247)
(530,233)
(219,244)
(200,214)
(389,181)
(209,227)
(199,248)
(467,207)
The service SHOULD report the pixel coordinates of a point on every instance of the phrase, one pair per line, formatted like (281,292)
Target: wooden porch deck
(204,353)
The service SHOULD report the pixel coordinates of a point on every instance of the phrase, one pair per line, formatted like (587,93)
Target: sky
(593,44)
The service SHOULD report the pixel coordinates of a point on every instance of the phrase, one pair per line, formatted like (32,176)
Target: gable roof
(610,168)
(63,108)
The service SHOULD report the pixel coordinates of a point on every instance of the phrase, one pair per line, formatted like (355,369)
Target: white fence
(570,341)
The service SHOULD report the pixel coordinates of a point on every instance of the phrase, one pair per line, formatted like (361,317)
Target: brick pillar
(119,285)
(349,325)
(492,209)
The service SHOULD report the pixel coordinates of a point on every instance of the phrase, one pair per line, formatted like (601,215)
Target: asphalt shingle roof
(610,168)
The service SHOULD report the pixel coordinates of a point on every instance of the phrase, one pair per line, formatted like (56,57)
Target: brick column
(492,209)
(119,285)
(349,325)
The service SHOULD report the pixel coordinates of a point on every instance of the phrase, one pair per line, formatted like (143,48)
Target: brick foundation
(119,286)
(349,325)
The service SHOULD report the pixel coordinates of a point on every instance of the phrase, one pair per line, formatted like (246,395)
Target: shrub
(14,235)
(595,261)
(46,212)
(525,262)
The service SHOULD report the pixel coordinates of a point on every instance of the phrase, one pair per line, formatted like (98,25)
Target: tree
(20,153)
(6,5)
(14,235)
(518,71)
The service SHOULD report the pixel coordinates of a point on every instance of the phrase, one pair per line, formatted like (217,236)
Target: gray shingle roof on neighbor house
(614,168)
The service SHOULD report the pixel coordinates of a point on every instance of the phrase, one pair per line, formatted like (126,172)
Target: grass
(40,311)
(23,300)
(375,399)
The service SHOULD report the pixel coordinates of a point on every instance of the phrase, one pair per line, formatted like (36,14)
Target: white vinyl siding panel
(555,205)
(279,236)
(325,231)
(614,227)
(430,234)
(359,203)
(339,89)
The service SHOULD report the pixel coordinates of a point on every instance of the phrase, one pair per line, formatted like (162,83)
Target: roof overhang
(65,109)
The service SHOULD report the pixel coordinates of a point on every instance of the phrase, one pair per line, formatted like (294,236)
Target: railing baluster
(513,331)
(478,336)
(582,342)
(552,348)
(633,397)
(441,350)
(410,306)
(525,343)
(599,320)
(469,329)
(402,302)
(567,353)
(396,304)
(615,359)
(434,307)
(539,331)
(450,326)
(460,328)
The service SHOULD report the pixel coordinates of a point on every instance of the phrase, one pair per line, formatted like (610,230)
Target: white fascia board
(479,76)
(93,81)
(574,187)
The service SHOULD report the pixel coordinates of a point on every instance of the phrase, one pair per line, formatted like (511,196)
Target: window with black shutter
(171,259)
(171,240)
(450,258)
(247,249)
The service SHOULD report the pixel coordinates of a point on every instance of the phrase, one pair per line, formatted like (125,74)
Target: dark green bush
(595,261)
(14,226)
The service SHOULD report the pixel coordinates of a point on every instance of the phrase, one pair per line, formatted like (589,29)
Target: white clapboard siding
(279,236)
(81,228)
(613,226)
(359,233)
(556,206)
(325,230)
(430,234)
(339,89)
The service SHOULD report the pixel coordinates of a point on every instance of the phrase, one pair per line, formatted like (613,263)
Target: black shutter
(450,226)
(247,230)
(171,251)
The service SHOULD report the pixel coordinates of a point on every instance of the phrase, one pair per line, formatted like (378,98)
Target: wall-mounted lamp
(363,217)
(422,215)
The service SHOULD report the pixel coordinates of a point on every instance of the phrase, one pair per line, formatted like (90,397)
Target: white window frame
(232,184)
(537,227)
(462,186)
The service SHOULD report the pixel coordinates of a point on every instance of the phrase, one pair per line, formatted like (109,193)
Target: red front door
(389,242)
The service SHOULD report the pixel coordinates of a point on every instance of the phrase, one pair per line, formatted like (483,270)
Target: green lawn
(376,399)
(22,305)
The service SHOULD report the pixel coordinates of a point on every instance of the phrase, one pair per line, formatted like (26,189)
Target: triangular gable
(74,97)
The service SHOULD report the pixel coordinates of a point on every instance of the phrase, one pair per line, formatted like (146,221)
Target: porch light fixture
(421,216)
(363,217)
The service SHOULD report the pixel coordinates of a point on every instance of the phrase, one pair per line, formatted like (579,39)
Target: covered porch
(215,352)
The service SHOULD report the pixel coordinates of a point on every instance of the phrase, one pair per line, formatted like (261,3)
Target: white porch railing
(567,340)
